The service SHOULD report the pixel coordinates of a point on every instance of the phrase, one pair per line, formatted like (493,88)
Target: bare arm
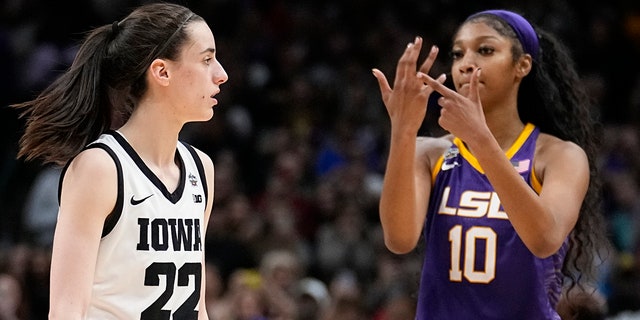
(542,221)
(403,200)
(88,195)
(406,184)
(210,174)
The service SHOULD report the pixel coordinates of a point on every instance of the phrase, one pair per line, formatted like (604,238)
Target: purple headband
(527,36)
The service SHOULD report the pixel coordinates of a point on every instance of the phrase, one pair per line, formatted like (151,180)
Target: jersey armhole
(112,218)
(535,183)
(203,176)
(436,169)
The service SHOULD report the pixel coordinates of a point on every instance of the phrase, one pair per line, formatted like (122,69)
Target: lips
(462,86)
(465,84)
(215,101)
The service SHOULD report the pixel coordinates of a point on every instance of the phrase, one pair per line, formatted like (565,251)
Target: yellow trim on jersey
(436,169)
(535,183)
(528,128)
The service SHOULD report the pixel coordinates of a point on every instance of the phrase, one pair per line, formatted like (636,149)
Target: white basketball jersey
(151,253)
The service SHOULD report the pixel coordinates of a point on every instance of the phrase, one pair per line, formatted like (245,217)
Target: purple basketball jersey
(475,265)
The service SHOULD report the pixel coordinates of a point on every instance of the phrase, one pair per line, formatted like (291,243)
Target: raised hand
(460,115)
(406,102)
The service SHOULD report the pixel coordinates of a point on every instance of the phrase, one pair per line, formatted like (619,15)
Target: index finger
(474,95)
(437,85)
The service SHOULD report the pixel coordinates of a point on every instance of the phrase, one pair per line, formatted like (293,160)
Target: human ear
(523,66)
(158,72)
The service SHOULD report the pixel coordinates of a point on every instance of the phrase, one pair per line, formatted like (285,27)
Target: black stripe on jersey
(173,197)
(113,217)
(203,176)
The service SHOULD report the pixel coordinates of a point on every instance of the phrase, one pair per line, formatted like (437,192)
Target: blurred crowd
(299,141)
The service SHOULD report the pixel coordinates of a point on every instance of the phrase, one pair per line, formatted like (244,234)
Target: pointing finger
(437,84)
(474,88)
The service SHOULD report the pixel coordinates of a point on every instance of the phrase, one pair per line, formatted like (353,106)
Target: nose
(220,75)
(467,63)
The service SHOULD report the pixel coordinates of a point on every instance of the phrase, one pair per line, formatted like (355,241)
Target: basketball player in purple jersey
(506,202)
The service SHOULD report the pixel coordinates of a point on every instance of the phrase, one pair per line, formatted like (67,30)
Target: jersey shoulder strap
(200,166)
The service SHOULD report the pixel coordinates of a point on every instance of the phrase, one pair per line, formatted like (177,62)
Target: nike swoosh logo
(136,202)
(448,166)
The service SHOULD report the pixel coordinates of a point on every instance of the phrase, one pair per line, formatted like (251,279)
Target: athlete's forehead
(476,31)
(201,39)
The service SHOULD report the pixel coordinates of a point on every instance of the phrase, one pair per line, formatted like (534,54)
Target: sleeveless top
(149,263)
(475,265)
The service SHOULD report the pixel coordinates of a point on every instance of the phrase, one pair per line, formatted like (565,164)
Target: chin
(204,117)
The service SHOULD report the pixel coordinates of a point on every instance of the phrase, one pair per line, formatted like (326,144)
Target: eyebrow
(480,38)
(211,50)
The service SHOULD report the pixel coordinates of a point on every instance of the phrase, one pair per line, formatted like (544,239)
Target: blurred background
(299,141)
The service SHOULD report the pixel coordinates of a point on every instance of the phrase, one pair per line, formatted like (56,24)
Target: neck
(153,139)
(505,128)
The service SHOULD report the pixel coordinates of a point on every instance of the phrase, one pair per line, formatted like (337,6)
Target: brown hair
(104,82)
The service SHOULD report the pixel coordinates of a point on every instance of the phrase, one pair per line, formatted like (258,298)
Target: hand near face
(406,102)
(460,114)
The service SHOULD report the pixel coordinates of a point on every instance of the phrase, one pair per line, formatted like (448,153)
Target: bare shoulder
(90,185)
(551,146)
(92,171)
(551,149)
(93,163)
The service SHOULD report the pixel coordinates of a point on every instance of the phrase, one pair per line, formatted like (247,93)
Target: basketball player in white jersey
(134,200)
